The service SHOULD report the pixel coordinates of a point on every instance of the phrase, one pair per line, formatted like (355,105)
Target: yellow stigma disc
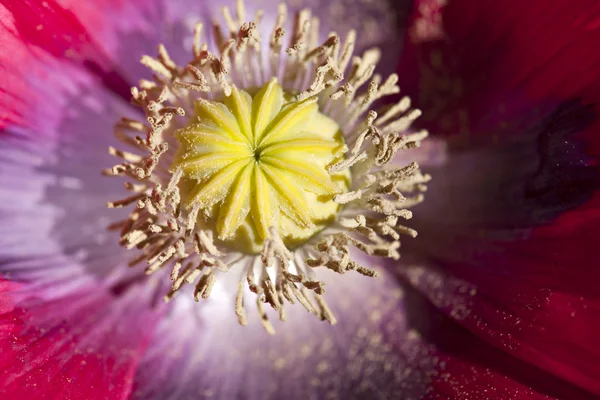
(255,162)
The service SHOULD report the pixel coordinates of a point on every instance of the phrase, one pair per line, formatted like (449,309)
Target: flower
(494,299)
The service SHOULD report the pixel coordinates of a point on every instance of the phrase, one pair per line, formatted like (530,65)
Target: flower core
(268,160)
(256,162)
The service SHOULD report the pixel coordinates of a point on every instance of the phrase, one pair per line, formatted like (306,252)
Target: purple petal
(53,195)
(371,352)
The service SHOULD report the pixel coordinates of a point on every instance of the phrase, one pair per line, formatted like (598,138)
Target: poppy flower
(236,215)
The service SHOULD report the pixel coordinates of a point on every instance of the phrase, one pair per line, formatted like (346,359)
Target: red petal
(532,292)
(472,369)
(536,291)
(495,57)
(510,303)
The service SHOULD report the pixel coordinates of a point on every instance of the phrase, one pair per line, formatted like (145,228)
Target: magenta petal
(534,298)
(31,28)
(84,344)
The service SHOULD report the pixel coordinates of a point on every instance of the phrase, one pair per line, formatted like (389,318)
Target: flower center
(255,162)
(281,166)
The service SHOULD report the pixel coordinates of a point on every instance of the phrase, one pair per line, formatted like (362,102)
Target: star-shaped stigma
(256,162)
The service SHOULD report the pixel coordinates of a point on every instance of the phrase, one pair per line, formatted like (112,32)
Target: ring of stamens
(164,226)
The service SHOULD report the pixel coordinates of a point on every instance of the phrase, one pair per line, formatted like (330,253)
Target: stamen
(239,305)
(173,223)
